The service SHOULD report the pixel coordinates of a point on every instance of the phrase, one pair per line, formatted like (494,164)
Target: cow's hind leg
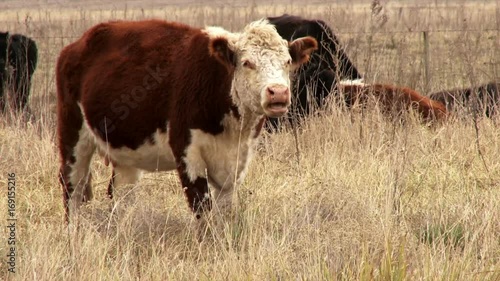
(80,175)
(77,148)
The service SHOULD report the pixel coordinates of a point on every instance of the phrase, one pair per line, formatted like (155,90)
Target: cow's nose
(277,91)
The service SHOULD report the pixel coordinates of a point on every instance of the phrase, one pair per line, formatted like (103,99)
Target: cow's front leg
(191,168)
(195,188)
(192,173)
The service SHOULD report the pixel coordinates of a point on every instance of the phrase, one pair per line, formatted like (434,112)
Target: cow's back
(289,26)
(115,45)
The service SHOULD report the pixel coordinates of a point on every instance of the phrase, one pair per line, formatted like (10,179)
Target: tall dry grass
(352,197)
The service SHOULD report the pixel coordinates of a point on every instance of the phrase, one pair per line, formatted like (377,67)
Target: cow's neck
(248,123)
(244,122)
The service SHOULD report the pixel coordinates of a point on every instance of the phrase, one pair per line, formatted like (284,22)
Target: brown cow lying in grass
(392,100)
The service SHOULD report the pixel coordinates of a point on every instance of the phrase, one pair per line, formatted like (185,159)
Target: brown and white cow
(393,100)
(158,96)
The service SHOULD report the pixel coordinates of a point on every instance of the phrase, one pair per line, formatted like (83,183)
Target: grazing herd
(157,96)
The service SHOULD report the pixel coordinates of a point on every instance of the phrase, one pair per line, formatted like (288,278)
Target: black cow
(484,99)
(18,59)
(325,66)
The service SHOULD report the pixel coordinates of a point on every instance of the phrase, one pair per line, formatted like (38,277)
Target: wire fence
(427,45)
(342,32)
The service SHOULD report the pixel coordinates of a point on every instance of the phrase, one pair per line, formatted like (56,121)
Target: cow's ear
(301,49)
(220,49)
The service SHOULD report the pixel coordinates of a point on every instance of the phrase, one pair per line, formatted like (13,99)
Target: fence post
(426,61)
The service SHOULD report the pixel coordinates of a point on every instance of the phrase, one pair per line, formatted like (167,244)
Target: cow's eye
(289,62)
(248,64)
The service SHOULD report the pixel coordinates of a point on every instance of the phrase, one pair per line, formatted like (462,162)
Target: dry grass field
(350,197)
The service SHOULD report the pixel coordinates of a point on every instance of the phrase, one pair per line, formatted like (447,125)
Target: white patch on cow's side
(128,163)
(149,156)
(156,156)
(80,170)
(225,157)
(358,82)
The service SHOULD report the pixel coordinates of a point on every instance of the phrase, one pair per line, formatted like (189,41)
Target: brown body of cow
(393,100)
(159,96)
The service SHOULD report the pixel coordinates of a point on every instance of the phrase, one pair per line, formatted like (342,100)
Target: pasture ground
(351,196)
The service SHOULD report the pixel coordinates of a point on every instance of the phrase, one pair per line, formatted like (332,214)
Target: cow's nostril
(278,91)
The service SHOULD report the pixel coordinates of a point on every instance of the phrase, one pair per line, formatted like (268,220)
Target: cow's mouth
(276,109)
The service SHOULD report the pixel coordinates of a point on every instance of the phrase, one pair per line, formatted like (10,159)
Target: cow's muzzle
(277,101)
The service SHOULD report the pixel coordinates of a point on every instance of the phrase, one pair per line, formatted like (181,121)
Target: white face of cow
(262,62)
(261,78)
